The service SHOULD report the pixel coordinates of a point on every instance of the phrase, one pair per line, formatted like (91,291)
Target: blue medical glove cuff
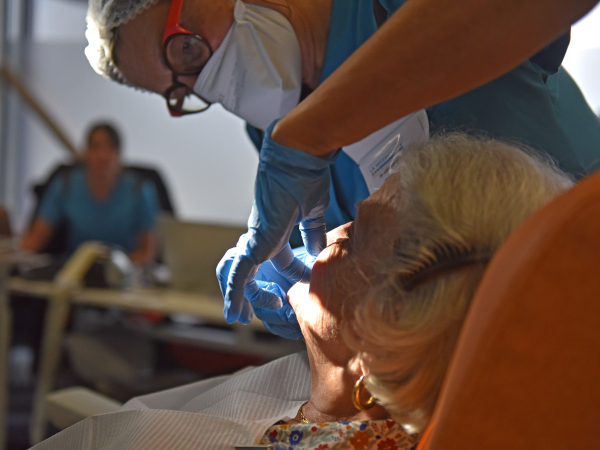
(305,176)
(289,159)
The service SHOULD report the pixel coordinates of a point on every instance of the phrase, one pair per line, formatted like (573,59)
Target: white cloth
(376,154)
(214,414)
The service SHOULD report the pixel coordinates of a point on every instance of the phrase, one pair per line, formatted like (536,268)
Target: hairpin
(443,261)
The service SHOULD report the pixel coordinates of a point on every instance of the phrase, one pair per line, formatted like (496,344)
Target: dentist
(336,74)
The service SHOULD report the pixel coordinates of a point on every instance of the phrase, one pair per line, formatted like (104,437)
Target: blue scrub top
(537,104)
(130,209)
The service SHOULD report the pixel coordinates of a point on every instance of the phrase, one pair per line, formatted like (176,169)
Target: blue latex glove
(292,187)
(281,273)
(287,274)
(267,292)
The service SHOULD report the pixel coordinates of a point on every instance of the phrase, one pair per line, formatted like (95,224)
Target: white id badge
(375,153)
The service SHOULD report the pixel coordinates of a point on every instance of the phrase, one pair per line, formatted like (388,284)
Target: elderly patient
(380,317)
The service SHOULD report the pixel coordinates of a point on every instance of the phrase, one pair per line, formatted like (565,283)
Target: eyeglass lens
(186,54)
(183,100)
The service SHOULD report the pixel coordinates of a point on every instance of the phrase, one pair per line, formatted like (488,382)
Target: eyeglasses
(185,53)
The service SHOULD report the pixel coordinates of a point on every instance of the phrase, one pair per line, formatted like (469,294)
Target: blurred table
(162,300)
(237,337)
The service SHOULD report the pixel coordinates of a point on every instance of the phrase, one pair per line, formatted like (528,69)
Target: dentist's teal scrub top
(537,104)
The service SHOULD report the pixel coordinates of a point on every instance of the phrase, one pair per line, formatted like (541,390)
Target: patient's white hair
(456,193)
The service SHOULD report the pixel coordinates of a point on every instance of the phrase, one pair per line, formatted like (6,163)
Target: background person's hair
(110,131)
(456,193)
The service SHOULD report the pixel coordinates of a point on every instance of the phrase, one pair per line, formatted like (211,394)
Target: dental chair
(526,370)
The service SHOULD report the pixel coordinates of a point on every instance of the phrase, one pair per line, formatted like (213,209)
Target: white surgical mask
(256,73)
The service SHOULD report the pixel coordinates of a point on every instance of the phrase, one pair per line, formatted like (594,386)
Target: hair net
(103,17)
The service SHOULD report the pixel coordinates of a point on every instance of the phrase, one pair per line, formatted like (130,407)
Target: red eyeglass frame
(172,27)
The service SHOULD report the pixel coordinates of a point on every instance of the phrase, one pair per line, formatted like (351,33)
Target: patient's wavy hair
(458,196)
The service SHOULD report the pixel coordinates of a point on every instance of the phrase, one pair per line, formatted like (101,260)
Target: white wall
(583,57)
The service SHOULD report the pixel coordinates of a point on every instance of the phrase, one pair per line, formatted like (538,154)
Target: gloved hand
(292,187)
(287,273)
(281,273)
(267,292)
(283,322)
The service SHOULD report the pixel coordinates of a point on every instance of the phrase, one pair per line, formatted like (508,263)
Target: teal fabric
(130,209)
(352,23)
(519,106)
(552,117)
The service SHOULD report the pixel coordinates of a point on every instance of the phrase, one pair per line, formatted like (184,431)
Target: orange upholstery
(526,370)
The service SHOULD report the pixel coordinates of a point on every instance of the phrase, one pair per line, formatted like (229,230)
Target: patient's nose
(338,233)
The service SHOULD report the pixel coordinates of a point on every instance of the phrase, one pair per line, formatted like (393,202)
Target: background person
(260,58)
(99,202)
(381,303)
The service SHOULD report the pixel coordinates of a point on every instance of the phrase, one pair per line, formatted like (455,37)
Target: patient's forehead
(378,220)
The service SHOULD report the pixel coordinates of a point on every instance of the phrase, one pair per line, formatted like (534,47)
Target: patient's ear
(361,366)
(356,365)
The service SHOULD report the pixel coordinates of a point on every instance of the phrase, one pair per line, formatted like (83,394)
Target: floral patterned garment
(371,435)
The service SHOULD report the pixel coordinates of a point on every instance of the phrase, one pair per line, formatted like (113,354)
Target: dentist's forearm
(427,52)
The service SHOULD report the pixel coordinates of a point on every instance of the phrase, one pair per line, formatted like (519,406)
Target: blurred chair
(525,373)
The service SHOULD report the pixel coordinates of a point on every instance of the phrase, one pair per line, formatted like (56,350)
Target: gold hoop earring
(356,392)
